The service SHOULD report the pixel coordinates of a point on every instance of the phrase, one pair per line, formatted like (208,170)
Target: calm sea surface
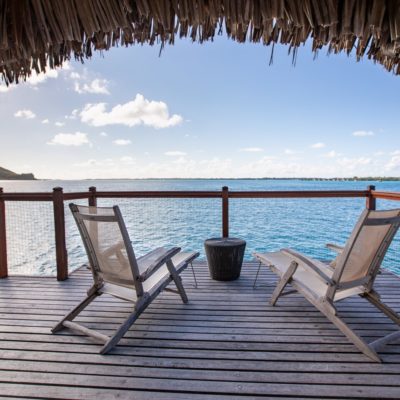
(266,224)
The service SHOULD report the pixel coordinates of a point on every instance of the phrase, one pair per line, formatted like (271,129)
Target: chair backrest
(108,245)
(365,249)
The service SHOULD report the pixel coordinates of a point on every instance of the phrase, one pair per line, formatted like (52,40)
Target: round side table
(224,257)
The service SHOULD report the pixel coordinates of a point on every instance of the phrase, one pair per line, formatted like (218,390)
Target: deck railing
(57,197)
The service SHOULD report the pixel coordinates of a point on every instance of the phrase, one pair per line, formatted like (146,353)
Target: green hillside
(6,174)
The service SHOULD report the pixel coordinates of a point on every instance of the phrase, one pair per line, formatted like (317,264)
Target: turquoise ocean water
(266,224)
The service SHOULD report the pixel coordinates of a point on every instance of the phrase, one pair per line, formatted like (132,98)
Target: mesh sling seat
(352,272)
(117,272)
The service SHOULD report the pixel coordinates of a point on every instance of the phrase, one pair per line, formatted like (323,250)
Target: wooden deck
(227,342)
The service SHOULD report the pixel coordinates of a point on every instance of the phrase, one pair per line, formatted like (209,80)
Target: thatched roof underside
(40,34)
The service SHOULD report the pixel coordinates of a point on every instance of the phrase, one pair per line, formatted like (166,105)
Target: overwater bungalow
(229,340)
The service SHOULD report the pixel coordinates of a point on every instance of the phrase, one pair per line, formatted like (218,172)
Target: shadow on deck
(228,341)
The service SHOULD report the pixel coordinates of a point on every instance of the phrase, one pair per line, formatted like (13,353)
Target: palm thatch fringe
(40,34)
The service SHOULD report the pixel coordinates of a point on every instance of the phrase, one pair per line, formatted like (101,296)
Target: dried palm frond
(40,34)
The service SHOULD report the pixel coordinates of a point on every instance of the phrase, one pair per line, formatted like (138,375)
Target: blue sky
(211,110)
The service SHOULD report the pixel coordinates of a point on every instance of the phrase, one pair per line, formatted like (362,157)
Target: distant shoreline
(375,179)
(354,179)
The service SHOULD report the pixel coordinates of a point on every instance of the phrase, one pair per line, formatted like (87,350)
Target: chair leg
(349,333)
(285,279)
(75,311)
(258,271)
(178,281)
(121,331)
(353,337)
(374,299)
(194,275)
(380,344)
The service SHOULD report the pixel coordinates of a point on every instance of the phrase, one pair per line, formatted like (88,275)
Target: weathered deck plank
(226,343)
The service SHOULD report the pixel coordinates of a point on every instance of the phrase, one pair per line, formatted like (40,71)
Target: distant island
(6,174)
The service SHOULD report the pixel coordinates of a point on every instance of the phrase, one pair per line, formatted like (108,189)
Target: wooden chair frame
(326,304)
(143,299)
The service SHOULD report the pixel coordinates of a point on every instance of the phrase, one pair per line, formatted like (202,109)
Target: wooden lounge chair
(117,272)
(352,272)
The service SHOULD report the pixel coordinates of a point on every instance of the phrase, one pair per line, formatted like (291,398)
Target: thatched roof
(35,34)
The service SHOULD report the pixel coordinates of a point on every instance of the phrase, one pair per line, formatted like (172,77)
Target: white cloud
(103,134)
(331,154)
(59,123)
(70,139)
(363,133)
(393,163)
(290,152)
(108,162)
(188,167)
(252,149)
(28,114)
(175,153)
(36,79)
(127,160)
(97,86)
(73,115)
(318,145)
(122,142)
(45,121)
(4,88)
(351,164)
(74,75)
(136,112)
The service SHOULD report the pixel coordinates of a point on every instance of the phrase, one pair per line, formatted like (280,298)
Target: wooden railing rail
(225,212)
(3,238)
(370,202)
(58,197)
(59,230)
(76,195)
(27,196)
(282,194)
(93,196)
(160,194)
(386,195)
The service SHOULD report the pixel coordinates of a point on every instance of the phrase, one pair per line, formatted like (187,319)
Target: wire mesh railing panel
(392,258)
(75,250)
(155,222)
(30,238)
(266,224)
(305,225)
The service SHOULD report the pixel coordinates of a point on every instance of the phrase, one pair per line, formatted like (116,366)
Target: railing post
(371,200)
(92,196)
(3,238)
(225,212)
(59,229)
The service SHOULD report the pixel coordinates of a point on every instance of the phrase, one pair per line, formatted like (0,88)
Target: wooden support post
(371,200)
(59,229)
(3,239)
(92,197)
(225,212)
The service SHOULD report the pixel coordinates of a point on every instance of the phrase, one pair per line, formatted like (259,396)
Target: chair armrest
(164,256)
(308,263)
(335,247)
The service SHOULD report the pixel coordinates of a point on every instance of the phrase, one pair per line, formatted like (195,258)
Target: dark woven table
(224,257)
